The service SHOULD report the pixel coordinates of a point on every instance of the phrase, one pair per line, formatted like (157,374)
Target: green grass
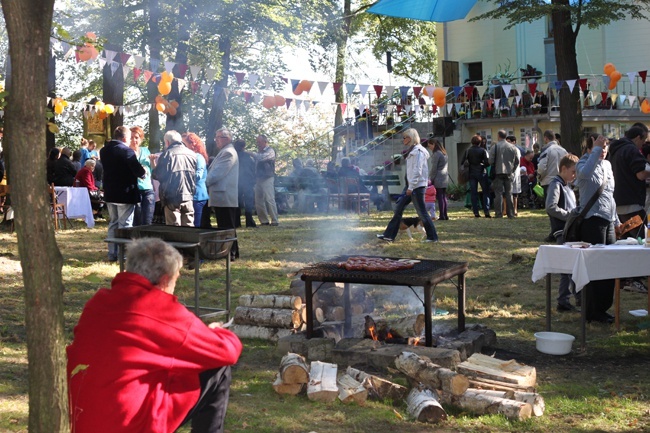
(606,388)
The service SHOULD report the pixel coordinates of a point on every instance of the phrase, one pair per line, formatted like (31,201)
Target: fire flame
(415,341)
(389,336)
(371,329)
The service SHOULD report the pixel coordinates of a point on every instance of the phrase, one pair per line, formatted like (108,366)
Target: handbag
(628,226)
(573,224)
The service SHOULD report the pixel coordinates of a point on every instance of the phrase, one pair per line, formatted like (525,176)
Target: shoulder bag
(576,217)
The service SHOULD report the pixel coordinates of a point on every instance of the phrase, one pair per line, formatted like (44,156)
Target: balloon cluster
(613,74)
(59,104)
(165,85)
(87,51)
(437,93)
(273,101)
(164,106)
(104,109)
(303,86)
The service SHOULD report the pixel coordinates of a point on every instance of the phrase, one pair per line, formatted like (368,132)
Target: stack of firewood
(268,317)
(506,387)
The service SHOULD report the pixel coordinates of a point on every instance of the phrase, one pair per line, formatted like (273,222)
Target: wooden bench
(306,190)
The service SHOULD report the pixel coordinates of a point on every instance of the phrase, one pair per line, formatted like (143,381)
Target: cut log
(269,317)
(423,405)
(351,391)
(331,295)
(377,387)
(430,374)
(294,369)
(482,404)
(303,313)
(286,388)
(535,400)
(483,367)
(411,326)
(319,315)
(481,383)
(322,382)
(271,334)
(334,314)
(270,301)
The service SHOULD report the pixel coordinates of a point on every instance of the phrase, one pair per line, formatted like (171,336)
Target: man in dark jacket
(246,183)
(121,172)
(628,165)
(476,161)
(175,169)
(64,169)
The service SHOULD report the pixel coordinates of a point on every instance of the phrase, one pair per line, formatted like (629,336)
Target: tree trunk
(28,26)
(567,69)
(271,301)
(113,89)
(341,47)
(155,136)
(268,317)
(430,374)
(423,405)
(260,332)
(185,11)
(215,119)
(294,369)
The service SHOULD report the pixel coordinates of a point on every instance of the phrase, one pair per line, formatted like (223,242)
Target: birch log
(351,391)
(377,387)
(423,405)
(294,369)
(535,400)
(430,374)
(269,317)
(482,404)
(286,388)
(322,382)
(270,301)
(482,367)
(271,334)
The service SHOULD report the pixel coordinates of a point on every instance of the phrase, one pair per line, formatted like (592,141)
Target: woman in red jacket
(85,176)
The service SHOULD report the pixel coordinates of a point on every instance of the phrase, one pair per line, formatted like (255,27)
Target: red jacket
(135,360)
(86,178)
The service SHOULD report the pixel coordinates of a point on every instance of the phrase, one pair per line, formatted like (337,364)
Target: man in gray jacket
(503,158)
(223,184)
(549,165)
(175,169)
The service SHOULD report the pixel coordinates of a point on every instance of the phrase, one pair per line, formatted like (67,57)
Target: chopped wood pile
(268,317)
(483,385)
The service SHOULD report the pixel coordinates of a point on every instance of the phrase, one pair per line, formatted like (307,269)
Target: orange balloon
(645,106)
(58,108)
(171,110)
(279,101)
(268,102)
(428,90)
(166,77)
(160,107)
(306,85)
(298,89)
(609,68)
(439,93)
(439,101)
(164,87)
(84,53)
(616,75)
(160,99)
(102,115)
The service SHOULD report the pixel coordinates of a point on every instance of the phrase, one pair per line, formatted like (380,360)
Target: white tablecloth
(593,263)
(77,203)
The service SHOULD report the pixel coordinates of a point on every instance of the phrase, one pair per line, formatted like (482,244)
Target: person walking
(267,210)
(439,175)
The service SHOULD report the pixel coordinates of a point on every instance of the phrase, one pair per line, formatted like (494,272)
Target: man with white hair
(175,169)
(142,362)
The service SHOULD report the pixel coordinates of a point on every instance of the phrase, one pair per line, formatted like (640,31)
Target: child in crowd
(560,199)
(430,200)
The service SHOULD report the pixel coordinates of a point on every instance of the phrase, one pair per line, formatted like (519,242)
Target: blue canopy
(424,10)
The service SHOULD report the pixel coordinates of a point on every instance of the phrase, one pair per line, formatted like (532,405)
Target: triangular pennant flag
(403,92)
(268,81)
(594,83)
(287,102)
(631,76)
(362,108)
(102,63)
(182,70)
(147,76)
(481,91)
(446,90)
(194,70)
(506,89)
(294,84)
(247,96)
(457,106)
(532,87)
(407,108)
(603,96)
(389,91)
(125,71)
(457,91)
(558,85)
(517,99)
(209,74)
(336,87)
(434,109)
(121,109)
(614,96)
(257,98)
(169,67)
(449,107)
(181,84)
(363,88)
(469,91)
(571,84)
(428,90)
(194,86)
(417,108)
(154,63)
(299,104)
(606,81)
(68,53)
(252,79)
(349,87)
(285,79)
(631,99)
(378,88)
(109,55)
(239,76)
(114,66)
(307,105)
(543,87)
(583,84)
(417,90)
(510,100)
(322,85)
(343,108)
(520,88)
(138,60)
(643,75)
(204,89)
(124,57)
(622,99)
(76,55)
(497,104)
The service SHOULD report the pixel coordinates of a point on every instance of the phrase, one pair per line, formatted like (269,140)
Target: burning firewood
(294,369)
(322,382)
(401,328)
(271,301)
(378,388)
(491,373)
(430,374)
(351,391)
(477,402)
(269,317)
(423,405)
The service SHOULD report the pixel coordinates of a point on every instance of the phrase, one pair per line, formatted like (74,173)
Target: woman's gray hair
(412,133)
(152,258)
(90,163)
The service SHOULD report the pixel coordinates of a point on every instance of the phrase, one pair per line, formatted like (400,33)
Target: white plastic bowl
(554,343)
